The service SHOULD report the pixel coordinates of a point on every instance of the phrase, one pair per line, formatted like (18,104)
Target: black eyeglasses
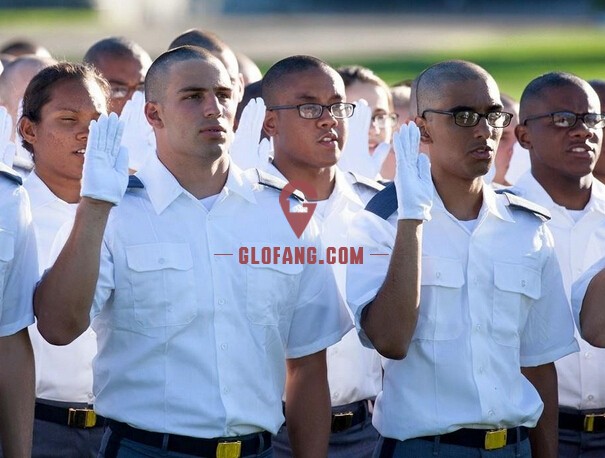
(470,118)
(339,110)
(569,119)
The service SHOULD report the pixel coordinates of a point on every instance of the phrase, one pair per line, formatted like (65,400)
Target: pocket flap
(442,272)
(517,278)
(157,256)
(279,258)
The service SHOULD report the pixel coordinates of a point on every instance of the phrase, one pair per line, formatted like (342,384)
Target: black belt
(250,444)
(345,417)
(587,422)
(74,417)
(481,438)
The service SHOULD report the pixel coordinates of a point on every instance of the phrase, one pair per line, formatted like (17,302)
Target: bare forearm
(592,316)
(308,406)
(544,437)
(16,395)
(390,320)
(64,296)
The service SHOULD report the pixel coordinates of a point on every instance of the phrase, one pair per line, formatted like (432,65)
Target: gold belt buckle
(589,420)
(495,439)
(82,418)
(229,449)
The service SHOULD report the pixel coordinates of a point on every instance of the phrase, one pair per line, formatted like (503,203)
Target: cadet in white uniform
(194,346)
(18,275)
(492,315)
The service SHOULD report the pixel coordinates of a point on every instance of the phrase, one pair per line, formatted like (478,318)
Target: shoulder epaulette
(526,205)
(271,181)
(9,173)
(365,181)
(384,204)
(134,182)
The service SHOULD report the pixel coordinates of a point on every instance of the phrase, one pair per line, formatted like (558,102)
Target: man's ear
(425,136)
(153,114)
(523,136)
(270,123)
(27,129)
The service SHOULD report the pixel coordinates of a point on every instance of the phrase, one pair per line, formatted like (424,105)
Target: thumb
(424,167)
(122,160)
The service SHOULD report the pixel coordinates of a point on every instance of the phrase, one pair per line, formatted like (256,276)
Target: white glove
(355,156)
(245,147)
(105,174)
(7,148)
(413,175)
(138,137)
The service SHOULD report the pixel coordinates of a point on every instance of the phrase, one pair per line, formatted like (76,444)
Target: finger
(93,136)
(380,154)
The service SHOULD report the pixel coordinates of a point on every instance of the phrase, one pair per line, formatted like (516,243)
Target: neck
(201,177)
(322,180)
(66,189)
(462,198)
(570,192)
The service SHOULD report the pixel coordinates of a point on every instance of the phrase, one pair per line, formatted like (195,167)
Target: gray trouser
(358,441)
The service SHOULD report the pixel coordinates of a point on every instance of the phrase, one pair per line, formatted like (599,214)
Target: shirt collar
(532,190)
(491,204)
(39,193)
(163,188)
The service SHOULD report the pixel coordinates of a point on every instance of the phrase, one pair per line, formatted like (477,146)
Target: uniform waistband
(593,422)
(249,444)
(76,416)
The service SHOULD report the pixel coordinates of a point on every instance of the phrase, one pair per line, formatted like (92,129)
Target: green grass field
(513,62)
(513,59)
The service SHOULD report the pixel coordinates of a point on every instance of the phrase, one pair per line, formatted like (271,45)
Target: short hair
(39,89)
(13,72)
(352,74)
(427,87)
(211,43)
(196,37)
(271,84)
(119,47)
(536,88)
(24,47)
(155,80)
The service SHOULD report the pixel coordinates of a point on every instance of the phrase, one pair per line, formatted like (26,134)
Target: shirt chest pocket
(516,287)
(440,313)
(7,252)
(271,290)
(163,284)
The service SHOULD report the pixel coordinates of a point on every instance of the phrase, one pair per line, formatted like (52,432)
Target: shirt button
(226,390)
(224,346)
(590,397)
(523,283)
(481,370)
(90,396)
(491,413)
(169,309)
(221,301)
(161,261)
(587,355)
(438,275)
(478,328)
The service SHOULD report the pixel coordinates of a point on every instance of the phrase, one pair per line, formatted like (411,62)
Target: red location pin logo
(298,221)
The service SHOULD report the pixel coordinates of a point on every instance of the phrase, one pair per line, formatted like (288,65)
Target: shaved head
(428,86)
(155,82)
(534,92)
(274,80)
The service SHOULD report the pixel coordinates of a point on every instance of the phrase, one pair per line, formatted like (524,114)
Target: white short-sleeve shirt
(354,371)
(578,245)
(18,257)
(192,341)
(63,373)
(492,301)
